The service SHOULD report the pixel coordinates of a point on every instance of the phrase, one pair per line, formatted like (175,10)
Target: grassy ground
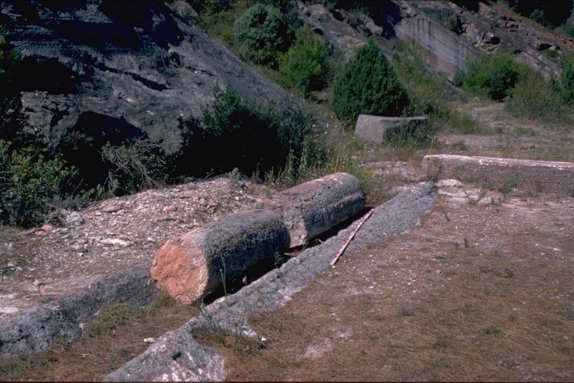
(479,292)
(118,333)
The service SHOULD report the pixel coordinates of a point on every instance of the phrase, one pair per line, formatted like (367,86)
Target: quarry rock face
(450,35)
(137,64)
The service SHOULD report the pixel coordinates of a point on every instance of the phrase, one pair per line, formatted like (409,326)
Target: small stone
(74,219)
(115,242)
(149,340)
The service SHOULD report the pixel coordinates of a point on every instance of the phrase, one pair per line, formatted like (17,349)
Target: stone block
(540,176)
(377,129)
(313,207)
(193,265)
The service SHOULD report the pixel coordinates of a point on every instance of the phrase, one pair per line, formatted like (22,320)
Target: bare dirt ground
(482,290)
(43,264)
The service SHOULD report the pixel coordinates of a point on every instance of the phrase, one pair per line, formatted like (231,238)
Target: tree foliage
(368,85)
(304,67)
(261,33)
(235,133)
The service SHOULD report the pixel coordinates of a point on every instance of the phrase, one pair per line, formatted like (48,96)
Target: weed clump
(493,76)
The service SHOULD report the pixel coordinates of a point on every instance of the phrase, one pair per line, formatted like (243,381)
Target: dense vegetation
(526,93)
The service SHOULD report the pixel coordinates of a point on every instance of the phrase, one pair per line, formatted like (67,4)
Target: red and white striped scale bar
(361,222)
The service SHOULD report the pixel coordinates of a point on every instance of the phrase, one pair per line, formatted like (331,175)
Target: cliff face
(130,65)
(449,32)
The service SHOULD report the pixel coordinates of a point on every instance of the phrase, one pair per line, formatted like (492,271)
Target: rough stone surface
(134,64)
(193,265)
(398,215)
(33,329)
(316,206)
(540,176)
(376,129)
(450,35)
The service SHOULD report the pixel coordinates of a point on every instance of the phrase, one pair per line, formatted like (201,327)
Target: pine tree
(368,85)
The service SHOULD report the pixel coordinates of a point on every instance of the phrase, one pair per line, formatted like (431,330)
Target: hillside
(128,123)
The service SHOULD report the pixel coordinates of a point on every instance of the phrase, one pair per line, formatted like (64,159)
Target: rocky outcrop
(34,329)
(135,63)
(193,265)
(451,34)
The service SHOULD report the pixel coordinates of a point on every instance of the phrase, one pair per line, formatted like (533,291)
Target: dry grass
(485,295)
(112,338)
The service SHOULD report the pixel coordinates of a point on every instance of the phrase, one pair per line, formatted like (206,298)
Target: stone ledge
(541,176)
(32,330)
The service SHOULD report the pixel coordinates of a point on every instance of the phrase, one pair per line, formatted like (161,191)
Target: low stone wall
(539,176)
(193,265)
(314,207)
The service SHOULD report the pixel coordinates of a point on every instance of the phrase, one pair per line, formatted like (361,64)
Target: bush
(427,91)
(29,183)
(261,32)
(234,133)
(493,75)
(535,98)
(567,77)
(368,84)
(304,67)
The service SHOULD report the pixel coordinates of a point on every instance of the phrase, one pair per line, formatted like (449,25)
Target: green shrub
(218,21)
(211,6)
(567,77)
(304,67)
(235,133)
(29,183)
(261,33)
(369,85)
(427,91)
(492,75)
(533,97)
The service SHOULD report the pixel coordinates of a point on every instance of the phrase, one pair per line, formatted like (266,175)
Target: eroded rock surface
(136,63)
